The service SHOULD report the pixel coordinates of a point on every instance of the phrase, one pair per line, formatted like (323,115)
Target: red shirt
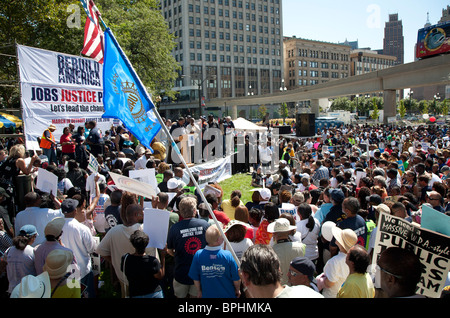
(67,148)
(221,217)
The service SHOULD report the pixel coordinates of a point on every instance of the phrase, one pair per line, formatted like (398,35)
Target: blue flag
(124,95)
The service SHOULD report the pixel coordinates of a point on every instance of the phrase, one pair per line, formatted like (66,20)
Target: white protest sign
(131,185)
(191,140)
(359,176)
(431,247)
(156,226)
(95,259)
(93,164)
(145,175)
(47,181)
(33,145)
(171,195)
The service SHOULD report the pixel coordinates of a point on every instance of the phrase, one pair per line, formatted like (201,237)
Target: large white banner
(212,171)
(59,89)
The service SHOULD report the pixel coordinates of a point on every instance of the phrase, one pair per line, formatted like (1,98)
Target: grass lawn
(240,181)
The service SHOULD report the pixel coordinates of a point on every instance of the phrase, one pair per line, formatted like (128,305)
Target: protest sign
(435,221)
(96,259)
(47,181)
(59,89)
(191,140)
(131,185)
(359,176)
(146,176)
(432,248)
(93,164)
(156,226)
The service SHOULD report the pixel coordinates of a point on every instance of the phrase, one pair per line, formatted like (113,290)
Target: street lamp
(436,98)
(200,85)
(283,88)
(250,93)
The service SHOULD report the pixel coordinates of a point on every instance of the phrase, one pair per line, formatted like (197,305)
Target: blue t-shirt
(186,237)
(216,270)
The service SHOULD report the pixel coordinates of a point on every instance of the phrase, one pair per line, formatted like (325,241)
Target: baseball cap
(265,194)
(337,195)
(69,205)
(28,230)
(54,227)
(305,266)
(374,199)
(172,183)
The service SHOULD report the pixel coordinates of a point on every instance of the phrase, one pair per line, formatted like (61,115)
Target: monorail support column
(315,107)
(390,105)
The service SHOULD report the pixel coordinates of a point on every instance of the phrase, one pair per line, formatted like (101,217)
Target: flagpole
(177,150)
(191,176)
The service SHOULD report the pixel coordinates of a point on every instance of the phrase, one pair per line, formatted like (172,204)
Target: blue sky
(335,21)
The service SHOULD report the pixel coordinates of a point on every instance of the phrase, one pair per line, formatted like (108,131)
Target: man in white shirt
(141,163)
(77,237)
(34,215)
(265,155)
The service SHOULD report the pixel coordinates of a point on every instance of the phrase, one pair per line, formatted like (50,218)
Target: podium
(186,148)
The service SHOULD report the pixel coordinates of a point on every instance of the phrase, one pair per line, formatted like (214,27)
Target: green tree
(138,26)
(341,103)
(284,112)
(143,34)
(423,106)
(36,23)
(376,112)
(262,111)
(402,109)
(444,107)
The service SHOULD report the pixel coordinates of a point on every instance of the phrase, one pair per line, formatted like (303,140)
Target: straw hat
(57,263)
(233,223)
(347,237)
(280,225)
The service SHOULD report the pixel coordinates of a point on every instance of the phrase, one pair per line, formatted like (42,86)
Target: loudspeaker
(305,125)
(284,130)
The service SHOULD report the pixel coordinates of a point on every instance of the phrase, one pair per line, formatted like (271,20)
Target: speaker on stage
(305,125)
(284,130)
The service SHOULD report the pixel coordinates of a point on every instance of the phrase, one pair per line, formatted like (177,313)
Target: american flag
(93,34)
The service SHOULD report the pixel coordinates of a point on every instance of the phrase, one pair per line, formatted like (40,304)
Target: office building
(226,48)
(309,62)
(445,15)
(364,61)
(393,39)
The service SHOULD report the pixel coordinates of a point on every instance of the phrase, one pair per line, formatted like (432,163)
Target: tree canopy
(138,26)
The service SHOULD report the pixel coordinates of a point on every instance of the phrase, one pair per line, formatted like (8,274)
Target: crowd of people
(308,230)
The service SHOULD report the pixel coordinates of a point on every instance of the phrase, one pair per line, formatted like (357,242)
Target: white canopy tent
(243,124)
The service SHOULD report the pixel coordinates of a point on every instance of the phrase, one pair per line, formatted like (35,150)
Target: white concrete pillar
(390,104)
(315,107)
(234,112)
